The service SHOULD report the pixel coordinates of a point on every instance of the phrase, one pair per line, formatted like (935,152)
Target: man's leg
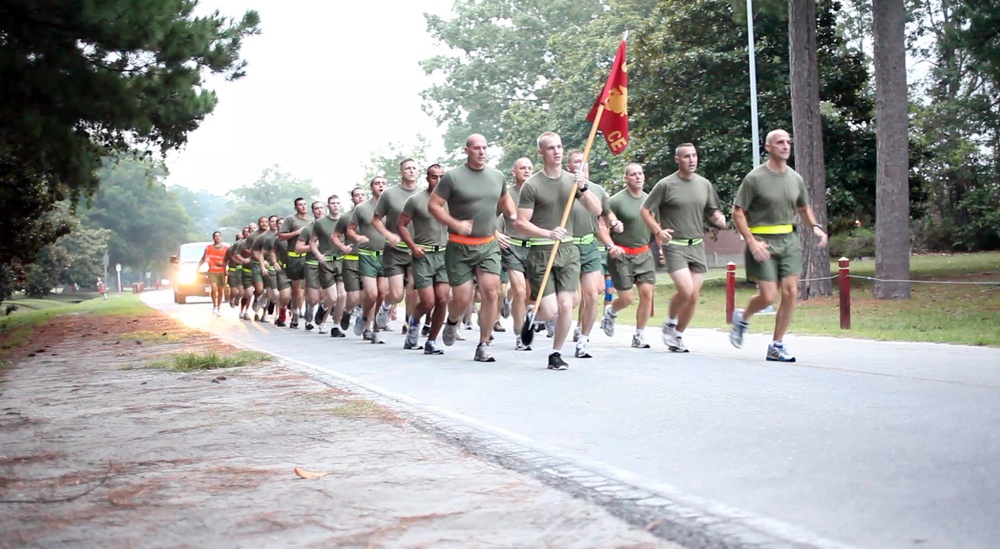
(789,297)
(489,289)
(369,300)
(645,305)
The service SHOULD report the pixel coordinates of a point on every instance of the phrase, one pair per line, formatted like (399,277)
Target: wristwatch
(817,226)
(583,189)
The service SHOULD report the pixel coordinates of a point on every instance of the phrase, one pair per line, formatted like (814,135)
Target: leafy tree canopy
(274,193)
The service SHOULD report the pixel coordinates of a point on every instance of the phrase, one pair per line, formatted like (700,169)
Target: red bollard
(845,293)
(730,291)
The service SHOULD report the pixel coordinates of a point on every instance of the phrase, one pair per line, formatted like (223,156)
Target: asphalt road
(860,443)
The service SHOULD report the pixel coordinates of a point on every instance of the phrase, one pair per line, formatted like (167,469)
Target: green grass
(209,360)
(964,314)
(38,312)
(364,409)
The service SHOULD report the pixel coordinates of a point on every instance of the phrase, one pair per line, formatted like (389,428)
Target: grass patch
(963,314)
(209,360)
(365,409)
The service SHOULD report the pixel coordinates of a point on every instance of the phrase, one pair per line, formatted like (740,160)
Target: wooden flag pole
(527,330)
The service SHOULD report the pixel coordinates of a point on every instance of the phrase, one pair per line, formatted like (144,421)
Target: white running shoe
(608,322)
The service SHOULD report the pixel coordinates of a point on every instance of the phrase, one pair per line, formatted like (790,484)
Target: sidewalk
(142,457)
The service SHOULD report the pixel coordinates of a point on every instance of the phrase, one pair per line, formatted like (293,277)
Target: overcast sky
(327,82)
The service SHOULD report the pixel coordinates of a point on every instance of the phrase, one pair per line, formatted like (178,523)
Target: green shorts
(370,264)
(247,276)
(350,272)
(590,258)
(515,258)
(603,250)
(504,277)
(235,277)
(786,258)
(311,271)
(219,279)
(395,261)
(330,272)
(295,269)
(565,275)
(270,279)
(429,270)
(627,270)
(284,283)
(462,260)
(255,273)
(685,257)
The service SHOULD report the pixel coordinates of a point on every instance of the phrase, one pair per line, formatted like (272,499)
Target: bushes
(854,245)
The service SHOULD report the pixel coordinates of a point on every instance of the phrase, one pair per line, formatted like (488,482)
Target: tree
(146,221)
(273,193)
(84,80)
(385,161)
(75,258)
(807,127)
(892,206)
(205,209)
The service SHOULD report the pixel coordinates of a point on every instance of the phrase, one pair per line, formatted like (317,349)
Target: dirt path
(98,451)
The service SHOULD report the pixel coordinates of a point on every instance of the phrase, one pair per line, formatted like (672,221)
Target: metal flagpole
(753,87)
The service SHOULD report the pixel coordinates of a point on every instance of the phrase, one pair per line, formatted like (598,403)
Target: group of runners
(468,236)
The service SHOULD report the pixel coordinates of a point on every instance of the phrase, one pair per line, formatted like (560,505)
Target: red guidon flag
(614,97)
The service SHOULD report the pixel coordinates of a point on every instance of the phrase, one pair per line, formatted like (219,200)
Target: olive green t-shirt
(235,249)
(635,233)
(424,228)
(341,228)
(504,225)
(546,198)
(683,204)
(582,220)
(473,194)
(292,223)
(323,229)
(771,198)
(361,216)
(265,243)
(391,203)
(304,236)
(250,240)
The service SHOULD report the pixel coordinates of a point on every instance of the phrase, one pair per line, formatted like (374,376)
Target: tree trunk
(807,129)
(892,193)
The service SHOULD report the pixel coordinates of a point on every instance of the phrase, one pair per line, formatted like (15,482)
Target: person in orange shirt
(215,255)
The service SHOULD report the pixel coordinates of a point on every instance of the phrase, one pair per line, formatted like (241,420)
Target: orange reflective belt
(634,251)
(470,240)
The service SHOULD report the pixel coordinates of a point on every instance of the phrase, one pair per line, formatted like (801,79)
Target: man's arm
(405,235)
(352,233)
(314,248)
(524,224)
(201,261)
(390,237)
(507,207)
(590,201)
(758,249)
(719,220)
(807,213)
(435,206)
(662,235)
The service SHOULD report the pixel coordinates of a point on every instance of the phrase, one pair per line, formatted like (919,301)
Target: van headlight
(187,276)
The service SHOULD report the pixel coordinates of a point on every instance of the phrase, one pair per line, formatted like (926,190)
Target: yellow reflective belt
(546,241)
(772,229)
(369,253)
(583,240)
(402,245)
(350,257)
(432,247)
(686,241)
(294,254)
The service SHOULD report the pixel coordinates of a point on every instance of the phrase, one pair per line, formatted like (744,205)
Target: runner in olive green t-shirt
(310,266)
(539,213)
(328,255)
(630,260)
(592,265)
(254,250)
(428,239)
(370,246)
(349,264)
(472,193)
(683,202)
(292,262)
(514,253)
(765,215)
(396,256)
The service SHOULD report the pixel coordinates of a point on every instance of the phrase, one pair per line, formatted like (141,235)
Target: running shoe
(318,315)
(483,353)
(498,327)
(359,325)
(377,338)
(322,328)
(412,335)
(739,328)
(556,362)
(550,328)
(608,322)
(577,332)
(505,309)
(426,330)
(677,345)
(431,348)
(450,333)
(668,332)
(345,321)
(382,318)
(367,336)
(520,346)
(583,348)
(776,352)
(639,341)
(336,332)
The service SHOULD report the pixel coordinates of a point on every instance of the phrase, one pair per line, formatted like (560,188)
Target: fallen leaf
(309,474)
